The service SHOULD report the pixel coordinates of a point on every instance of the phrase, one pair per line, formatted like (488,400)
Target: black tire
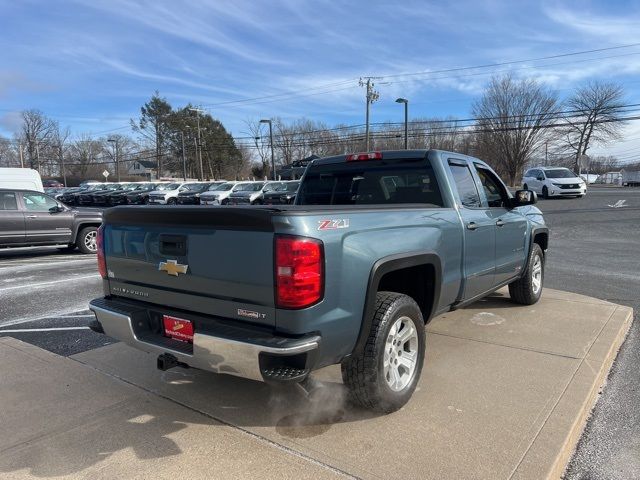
(258,202)
(524,290)
(545,192)
(363,372)
(172,201)
(86,240)
(146,201)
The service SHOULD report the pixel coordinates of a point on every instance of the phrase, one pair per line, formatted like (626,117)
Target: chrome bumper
(215,354)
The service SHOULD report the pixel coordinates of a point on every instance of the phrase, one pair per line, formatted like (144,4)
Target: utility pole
(64,173)
(199,149)
(38,155)
(273,164)
(116,159)
(546,153)
(372,96)
(184,158)
(21,157)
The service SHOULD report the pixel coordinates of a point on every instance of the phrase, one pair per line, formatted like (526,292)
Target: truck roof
(395,155)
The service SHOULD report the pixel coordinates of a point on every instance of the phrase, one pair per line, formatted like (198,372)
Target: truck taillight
(299,271)
(364,156)
(102,263)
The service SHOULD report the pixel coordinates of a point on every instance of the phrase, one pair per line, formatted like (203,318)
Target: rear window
(372,182)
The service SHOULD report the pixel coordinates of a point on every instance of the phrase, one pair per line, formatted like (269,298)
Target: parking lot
(44,295)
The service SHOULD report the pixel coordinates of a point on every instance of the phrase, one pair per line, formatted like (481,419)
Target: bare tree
(85,156)
(36,131)
(8,154)
(594,112)
(513,114)
(261,146)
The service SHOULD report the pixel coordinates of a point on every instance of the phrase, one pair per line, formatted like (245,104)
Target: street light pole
(199,149)
(115,141)
(184,158)
(406,121)
(273,163)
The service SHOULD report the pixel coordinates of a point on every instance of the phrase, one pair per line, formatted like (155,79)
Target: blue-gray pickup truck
(375,246)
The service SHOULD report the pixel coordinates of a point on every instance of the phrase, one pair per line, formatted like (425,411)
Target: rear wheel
(545,192)
(86,240)
(171,201)
(384,375)
(528,289)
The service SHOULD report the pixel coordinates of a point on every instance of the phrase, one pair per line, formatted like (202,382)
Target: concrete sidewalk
(505,393)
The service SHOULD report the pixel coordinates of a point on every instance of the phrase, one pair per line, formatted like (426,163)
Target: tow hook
(167,361)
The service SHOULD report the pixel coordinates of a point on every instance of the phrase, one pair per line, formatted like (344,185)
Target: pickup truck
(30,218)
(375,246)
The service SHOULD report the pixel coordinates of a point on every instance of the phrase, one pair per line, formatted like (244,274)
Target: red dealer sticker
(178,328)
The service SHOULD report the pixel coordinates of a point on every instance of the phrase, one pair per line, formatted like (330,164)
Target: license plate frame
(177,328)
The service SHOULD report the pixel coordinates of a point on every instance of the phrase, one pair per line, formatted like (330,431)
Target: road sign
(105,174)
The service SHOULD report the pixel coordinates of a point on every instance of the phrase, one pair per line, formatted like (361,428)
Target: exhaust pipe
(167,361)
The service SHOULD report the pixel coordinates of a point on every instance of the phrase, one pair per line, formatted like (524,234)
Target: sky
(91,64)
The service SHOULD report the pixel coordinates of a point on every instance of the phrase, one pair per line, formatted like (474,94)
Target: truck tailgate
(214,260)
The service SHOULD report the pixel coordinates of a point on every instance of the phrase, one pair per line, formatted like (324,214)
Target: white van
(20,179)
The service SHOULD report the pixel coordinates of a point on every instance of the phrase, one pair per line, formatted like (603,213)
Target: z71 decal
(333,224)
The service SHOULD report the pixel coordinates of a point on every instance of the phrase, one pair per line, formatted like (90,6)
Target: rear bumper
(243,351)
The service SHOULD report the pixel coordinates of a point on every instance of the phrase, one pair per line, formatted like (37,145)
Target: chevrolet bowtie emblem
(172,267)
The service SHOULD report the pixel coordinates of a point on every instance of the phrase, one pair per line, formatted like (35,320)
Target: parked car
(168,194)
(554,182)
(252,193)
(102,198)
(51,183)
(25,178)
(375,246)
(119,196)
(137,196)
(282,195)
(71,195)
(192,192)
(85,199)
(29,218)
(219,194)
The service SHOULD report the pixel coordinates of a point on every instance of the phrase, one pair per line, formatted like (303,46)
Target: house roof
(147,163)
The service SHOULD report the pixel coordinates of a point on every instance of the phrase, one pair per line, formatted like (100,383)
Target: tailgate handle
(173,245)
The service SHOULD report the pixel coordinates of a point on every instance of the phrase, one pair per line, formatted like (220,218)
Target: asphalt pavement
(594,250)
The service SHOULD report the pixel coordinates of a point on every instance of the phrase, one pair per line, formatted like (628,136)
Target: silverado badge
(172,267)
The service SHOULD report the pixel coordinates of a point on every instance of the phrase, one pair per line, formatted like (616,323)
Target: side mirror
(56,209)
(524,197)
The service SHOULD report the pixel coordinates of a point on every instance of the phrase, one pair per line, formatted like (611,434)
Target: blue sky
(91,64)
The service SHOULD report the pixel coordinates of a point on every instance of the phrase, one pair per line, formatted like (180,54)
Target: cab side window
(493,189)
(8,201)
(466,185)
(36,202)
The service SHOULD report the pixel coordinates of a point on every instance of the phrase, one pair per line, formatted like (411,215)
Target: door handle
(32,216)
(472,226)
(500,223)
